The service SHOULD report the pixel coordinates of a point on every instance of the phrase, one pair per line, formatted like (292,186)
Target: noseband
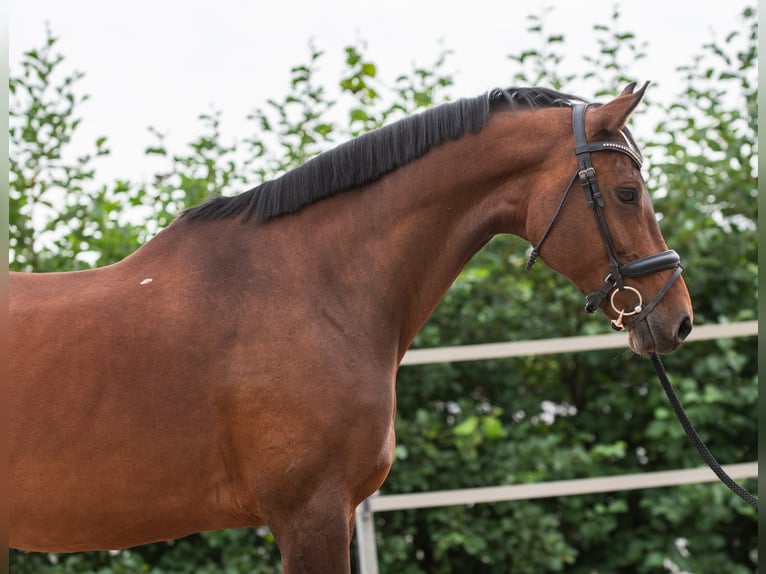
(618,272)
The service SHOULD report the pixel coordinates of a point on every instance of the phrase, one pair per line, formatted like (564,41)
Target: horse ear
(613,116)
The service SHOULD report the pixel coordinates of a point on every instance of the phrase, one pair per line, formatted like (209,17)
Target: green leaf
(467,427)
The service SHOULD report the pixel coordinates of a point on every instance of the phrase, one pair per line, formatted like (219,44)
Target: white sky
(163,62)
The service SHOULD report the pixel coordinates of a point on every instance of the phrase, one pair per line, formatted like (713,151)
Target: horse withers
(239,368)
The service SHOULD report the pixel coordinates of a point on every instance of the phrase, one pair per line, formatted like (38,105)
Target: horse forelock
(372,155)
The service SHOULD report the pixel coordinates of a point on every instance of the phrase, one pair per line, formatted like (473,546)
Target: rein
(695,438)
(618,272)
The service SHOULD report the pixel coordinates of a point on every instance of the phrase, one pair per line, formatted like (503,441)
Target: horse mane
(374,154)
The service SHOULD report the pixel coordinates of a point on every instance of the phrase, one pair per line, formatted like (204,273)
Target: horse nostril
(684,328)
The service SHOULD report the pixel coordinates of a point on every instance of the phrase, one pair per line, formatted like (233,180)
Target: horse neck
(407,237)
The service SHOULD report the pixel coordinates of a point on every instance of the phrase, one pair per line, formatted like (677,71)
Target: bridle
(618,272)
(614,282)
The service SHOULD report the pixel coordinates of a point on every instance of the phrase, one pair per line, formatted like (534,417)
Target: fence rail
(562,345)
(554,488)
(365,528)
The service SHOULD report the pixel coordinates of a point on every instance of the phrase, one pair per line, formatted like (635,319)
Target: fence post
(365,538)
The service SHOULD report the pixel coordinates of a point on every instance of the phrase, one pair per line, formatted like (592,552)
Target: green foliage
(48,191)
(483,423)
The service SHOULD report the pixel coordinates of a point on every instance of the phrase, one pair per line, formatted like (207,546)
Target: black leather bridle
(614,281)
(618,272)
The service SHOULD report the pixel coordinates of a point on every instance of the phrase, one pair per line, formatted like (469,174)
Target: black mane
(373,155)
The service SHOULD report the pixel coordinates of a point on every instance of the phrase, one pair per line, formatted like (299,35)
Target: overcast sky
(163,62)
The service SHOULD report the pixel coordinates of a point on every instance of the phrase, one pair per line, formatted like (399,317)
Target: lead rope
(695,438)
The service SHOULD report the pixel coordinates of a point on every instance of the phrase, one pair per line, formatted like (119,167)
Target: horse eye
(627,195)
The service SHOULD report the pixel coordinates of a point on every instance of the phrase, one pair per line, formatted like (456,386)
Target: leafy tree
(482,423)
(42,179)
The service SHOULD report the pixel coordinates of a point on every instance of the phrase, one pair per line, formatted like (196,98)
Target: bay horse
(239,368)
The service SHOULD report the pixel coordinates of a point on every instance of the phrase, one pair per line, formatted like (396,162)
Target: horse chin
(645,338)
